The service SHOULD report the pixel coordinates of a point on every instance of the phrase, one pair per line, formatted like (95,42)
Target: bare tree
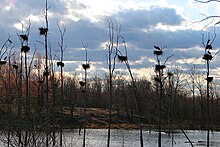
(191,84)
(24,38)
(114,34)
(208,57)
(124,58)
(210,18)
(178,85)
(61,64)
(54,86)
(159,69)
(44,32)
(6,54)
(85,66)
(170,95)
(215,113)
(71,92)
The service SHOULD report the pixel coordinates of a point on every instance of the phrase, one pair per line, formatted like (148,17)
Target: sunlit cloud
(144,72)
(6,4)
(190,61)
(144,24)
(35,18)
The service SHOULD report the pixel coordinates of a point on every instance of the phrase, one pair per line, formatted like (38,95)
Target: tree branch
(207,1)
(208,17)
(168,58)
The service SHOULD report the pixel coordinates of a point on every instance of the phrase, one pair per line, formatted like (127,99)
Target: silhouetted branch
(207,1)
(209,17)
(5,47)
(213,37)
(85,46)
(61,43)
(208,44)
(168,58)
(31,62)
(216,53)
(212,17)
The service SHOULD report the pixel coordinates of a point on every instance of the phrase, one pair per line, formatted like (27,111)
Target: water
(130,138)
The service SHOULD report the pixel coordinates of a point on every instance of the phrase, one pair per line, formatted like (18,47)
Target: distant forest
(177,92)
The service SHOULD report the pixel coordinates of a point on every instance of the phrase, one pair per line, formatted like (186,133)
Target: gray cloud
(137,19)
(182,43)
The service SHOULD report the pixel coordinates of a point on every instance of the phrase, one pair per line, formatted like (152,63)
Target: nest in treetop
(157,79)
(24,37)
(82,83)
(159,67)
(43,31)
(209,79)
(158,52)
(207,56)
(122,58)
(61,64)
(208,46)
(170,74)
(2,62)
(25,48)
(15,66)
(46,73)
(85,66)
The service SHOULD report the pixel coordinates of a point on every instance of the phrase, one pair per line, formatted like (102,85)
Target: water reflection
(130,138)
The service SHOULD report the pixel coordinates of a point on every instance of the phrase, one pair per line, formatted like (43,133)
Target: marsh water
(130,138)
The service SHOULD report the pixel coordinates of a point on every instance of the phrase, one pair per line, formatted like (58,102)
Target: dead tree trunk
(61,64)
(111,57)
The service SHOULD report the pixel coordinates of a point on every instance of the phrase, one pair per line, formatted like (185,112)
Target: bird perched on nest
(157,47)
(158,51)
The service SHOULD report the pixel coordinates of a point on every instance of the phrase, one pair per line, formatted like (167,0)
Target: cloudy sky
(145,23)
